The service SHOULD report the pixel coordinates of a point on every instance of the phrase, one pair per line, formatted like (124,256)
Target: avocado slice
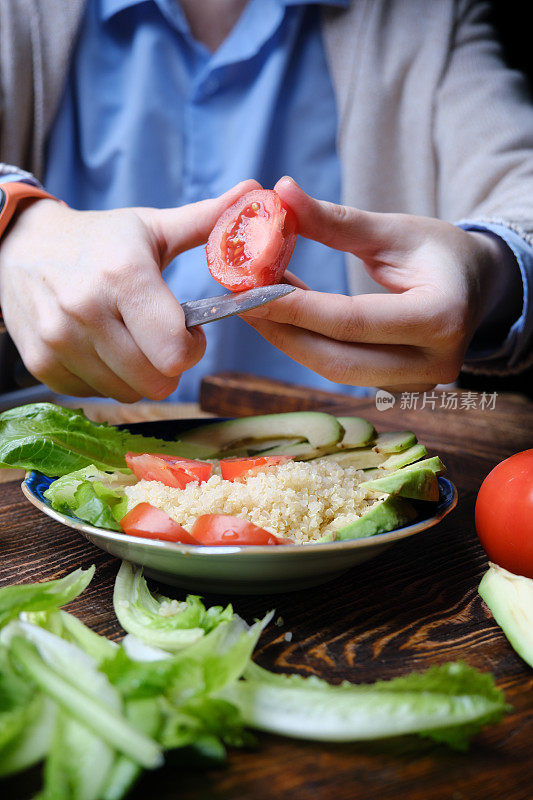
(374,472)
(386,515)
(394,441)
(399,460)
(418,484)
(269,444)
(327,537)
(434,464)
(302,451)
(362,458)
(358,432)
(510,598)
(319,429)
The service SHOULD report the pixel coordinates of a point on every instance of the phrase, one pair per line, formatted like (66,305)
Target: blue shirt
(150,117)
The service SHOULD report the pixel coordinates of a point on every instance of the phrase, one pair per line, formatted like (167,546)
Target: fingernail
(287,181)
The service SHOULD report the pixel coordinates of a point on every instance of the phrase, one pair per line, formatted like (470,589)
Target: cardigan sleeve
(11,173)
(484,150)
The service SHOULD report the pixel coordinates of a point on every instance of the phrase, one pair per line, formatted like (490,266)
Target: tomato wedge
(232,468)
(170,470)
(252,241)
(152,523)
(220,529)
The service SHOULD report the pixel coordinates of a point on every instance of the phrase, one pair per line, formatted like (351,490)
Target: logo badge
(384,400)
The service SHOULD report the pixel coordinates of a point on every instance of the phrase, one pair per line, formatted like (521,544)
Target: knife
(198,312)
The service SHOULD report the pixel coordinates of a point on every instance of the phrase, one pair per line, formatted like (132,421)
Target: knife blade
(198,312)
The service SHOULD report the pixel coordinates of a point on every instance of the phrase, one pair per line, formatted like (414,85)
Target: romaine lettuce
(448,703)
(56,440)
(158,620)
(98,712)
(42,596)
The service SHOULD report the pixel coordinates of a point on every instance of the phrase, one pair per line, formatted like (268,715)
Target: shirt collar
(339,3)
(111,7)
(108,8)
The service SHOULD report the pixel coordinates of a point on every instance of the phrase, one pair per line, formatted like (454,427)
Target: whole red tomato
(504,514)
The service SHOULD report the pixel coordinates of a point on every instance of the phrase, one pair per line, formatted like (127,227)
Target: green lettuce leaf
(448,703)
(160,621)
(78,762)
(146,716)
(68,676)
(92,495)
(70,628)
(42,596)
(203,718)
(205,667)
(26,734)
(56,441)
(24,739)
(92,503)
(61,492)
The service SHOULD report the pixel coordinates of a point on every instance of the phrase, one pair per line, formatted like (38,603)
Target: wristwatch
(11,193)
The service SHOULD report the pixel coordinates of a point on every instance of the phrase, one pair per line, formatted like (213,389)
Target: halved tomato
(220,529)
(170,470)
(152,523)
(252,242)
(232,468)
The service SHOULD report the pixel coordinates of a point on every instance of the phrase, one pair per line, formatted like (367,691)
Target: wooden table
(415,605)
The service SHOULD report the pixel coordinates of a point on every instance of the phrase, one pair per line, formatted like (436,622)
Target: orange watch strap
(11,193)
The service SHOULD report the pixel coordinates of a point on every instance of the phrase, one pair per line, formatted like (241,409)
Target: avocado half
(510,598)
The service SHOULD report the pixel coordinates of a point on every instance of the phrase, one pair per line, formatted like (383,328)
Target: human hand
(83,298)
(443,282)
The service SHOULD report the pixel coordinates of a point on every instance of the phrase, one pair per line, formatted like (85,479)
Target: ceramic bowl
(238,569)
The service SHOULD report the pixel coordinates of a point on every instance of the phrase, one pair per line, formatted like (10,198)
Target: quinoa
(301,500)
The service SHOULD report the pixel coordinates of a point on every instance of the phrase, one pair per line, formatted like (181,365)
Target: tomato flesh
(232,468)
(170,470)
(504,514)
(152,523)
(252,241)
(220,529)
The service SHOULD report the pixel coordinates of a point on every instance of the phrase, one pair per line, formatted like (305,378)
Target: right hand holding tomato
(443,284)
(83,298)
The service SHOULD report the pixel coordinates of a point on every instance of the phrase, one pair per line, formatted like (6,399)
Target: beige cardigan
(430,121)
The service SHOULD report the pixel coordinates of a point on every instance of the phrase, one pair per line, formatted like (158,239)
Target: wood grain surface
(415,605)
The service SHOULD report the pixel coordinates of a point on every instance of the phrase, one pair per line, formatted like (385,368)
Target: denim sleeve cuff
(8,174)
(513,354)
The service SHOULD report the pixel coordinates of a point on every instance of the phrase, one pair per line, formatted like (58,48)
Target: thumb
(363,233)
(179,229)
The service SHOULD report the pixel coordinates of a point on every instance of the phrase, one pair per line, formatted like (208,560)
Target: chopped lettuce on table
(97,713)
